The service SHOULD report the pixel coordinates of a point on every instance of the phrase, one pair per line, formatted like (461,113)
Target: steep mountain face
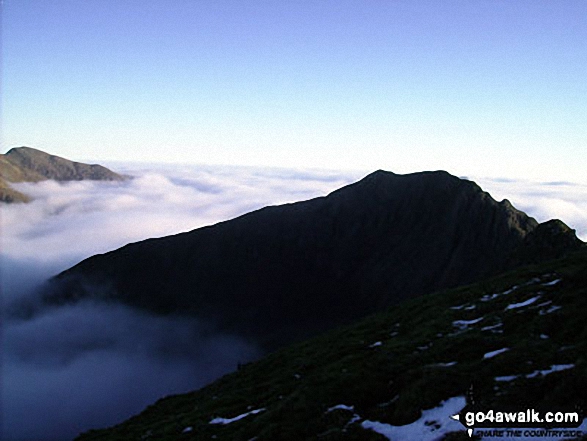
(514,342)
(287,272)
(25,164)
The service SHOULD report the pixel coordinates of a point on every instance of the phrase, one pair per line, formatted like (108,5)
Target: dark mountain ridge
(284,273)
(26,164)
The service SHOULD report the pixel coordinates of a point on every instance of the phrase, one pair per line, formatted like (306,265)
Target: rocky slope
(284,273)
(25,164)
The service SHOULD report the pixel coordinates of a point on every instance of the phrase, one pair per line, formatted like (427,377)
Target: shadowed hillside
(518,339)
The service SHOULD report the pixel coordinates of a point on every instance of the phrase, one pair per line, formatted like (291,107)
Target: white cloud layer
(64,370)
(86,366)
(77,219)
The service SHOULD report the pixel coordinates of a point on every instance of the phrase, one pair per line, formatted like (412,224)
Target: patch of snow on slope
(432,425)
(553,368)
(522,304)
(342,407)
(464,323)
(463,306)
(550,310)
(494,353)
(236,418)
(506,378)
(554,282)
(449,364)
(492,327)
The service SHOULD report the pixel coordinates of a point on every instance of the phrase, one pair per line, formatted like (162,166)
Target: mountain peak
(286,272)
(24,150)
(39,165)
(27,164)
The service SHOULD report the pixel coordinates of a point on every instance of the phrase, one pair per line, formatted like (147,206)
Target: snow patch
(341,407)
(374,345)
(509,291)
(449,364)
(494,353)
(553,368)
(236,418)
(432,425)
(464,323)
(488,297)
(506,378)
(550,310)
(492,327)
(464,306)
(554,282)
(522,304)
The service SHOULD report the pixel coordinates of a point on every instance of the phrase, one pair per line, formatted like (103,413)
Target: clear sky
(479,87)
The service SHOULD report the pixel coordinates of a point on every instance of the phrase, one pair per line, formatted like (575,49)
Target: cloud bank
(90,365)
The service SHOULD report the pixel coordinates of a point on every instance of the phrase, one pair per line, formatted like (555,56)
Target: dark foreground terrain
(520,339)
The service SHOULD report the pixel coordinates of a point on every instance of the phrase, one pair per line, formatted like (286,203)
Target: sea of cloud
(91,365)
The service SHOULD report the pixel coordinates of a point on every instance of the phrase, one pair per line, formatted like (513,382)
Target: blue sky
(493,88)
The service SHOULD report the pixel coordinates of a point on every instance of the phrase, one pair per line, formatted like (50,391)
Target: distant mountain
(25,164)
(515,342)
(284,273)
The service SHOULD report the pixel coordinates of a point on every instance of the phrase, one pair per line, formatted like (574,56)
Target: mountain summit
(283,273)
(26,164)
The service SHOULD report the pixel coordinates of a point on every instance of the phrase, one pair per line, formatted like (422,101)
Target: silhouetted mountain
(286,272)
(25,164)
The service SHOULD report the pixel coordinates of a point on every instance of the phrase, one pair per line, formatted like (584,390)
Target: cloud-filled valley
(89,365)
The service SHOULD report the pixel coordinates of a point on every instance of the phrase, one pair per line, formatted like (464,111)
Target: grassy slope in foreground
(391,366)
